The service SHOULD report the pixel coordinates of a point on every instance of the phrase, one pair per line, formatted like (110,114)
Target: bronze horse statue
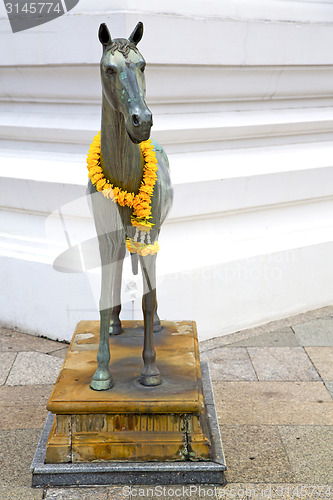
(120,166)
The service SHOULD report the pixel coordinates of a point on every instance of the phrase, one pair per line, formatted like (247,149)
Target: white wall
(242,99)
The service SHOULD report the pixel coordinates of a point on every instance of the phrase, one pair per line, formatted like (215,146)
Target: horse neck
(121,159)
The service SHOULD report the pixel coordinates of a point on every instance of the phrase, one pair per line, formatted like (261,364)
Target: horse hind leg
(116,275)
(150,375)
(157,322)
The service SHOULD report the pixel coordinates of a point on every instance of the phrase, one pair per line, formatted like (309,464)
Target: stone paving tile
(266,328)
(315,333)
(61,353)
(32,368)
(25,395)
(22,417)
(279,338)
(17,449)
(322,358)
(243,335)
(229,364)
(271,412)
(231,339)
(11,340)
(282,363)
(273,403)
(294,392)
(310,452)
(322,312)
(88,493)
(255,453)
(12,493)
(6,361)
(329,386)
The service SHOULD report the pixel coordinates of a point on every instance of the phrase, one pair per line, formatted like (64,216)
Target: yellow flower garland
(142,248)
(140,203)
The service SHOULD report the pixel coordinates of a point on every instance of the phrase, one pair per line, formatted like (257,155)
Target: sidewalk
(274,397)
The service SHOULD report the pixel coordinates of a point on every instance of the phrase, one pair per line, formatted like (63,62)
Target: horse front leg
(102,379)
(150,375)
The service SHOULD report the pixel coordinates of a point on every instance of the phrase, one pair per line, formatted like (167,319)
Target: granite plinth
(130,422)
(132,473)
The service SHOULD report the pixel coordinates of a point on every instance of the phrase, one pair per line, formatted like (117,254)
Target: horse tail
(134,259)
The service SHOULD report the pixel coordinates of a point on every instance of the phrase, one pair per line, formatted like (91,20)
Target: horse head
(123,81)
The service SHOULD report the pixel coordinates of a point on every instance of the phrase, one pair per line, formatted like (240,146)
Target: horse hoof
(150,380)
(157,327)
(115,329)
(101,385)
(101,381)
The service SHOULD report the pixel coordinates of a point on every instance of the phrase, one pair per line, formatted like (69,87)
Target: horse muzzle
(139,125)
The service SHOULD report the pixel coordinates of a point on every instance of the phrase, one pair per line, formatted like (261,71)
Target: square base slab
(177,358)
(130,422)
(131,473)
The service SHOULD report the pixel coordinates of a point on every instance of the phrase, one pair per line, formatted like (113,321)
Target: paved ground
(274,396)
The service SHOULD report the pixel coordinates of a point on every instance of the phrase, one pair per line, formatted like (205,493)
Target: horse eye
(143,67)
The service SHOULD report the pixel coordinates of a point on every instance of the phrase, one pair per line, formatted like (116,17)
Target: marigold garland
(141,202)
(142,248)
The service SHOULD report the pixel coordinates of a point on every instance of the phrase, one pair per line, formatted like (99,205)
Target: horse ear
(136,34)
(104,35)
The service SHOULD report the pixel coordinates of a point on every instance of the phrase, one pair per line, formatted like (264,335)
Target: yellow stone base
(130,422)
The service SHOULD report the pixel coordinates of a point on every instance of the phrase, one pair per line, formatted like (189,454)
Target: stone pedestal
(130,422)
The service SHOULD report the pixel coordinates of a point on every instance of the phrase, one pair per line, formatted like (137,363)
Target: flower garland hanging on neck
(141,202)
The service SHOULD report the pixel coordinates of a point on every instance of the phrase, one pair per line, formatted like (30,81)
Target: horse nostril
(135,120)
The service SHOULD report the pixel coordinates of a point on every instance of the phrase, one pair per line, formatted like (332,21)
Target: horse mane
(123,46)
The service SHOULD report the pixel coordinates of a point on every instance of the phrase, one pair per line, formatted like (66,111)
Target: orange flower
(121,198)
(151,158)
(95,177)
(144,251)
(96,170)
(115,193)
(94,156)
(146,189)
(129,199)
(100,184)
(107,190)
